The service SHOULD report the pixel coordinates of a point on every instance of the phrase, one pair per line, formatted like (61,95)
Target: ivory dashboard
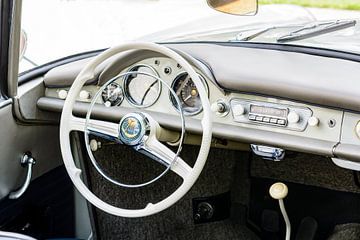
(154,83)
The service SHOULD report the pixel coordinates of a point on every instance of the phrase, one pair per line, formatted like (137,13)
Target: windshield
(58,28)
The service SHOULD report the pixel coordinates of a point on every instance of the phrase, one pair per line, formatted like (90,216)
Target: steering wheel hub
(132,128)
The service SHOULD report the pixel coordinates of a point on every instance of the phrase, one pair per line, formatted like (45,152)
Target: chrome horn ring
(138,135)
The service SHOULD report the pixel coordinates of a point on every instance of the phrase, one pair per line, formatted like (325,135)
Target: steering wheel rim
(70,123)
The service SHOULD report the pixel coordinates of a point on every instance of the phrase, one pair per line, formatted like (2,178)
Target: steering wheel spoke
(104,129)
(156,150)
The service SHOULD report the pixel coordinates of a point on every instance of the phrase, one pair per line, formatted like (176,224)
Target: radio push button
(259,118)
(273,120)
(252,117)
(266,119)
(281,122)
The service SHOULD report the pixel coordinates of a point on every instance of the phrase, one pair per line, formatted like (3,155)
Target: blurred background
(59,28)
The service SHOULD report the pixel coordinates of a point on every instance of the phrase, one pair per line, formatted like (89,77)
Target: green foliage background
(338,4)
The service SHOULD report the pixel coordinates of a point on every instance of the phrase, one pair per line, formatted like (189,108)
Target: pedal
(270,221)
(307,229)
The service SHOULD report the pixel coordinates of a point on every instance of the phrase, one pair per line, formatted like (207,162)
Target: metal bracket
(268,153)
(26,161)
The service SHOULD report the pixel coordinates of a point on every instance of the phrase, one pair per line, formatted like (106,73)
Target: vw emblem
(131,129)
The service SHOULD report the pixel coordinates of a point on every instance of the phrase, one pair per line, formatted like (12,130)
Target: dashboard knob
(293,117)
(107,104)
(62,94)
(218,107)
(84,95)
(238,110)
(313,121)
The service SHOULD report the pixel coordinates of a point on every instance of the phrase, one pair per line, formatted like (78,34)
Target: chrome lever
(26,161)
(268,153)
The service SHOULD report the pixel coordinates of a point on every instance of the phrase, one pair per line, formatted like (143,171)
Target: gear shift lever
(279,191)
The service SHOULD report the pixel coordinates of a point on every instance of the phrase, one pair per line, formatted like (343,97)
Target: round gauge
(142,90)
(112,95)
(187,93)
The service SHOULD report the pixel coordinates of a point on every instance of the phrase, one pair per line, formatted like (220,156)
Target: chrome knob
(218,107)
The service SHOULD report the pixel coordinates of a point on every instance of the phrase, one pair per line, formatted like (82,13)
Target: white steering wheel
(147,142)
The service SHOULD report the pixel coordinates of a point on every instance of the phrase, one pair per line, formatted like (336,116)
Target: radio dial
(238,110)
(293,117)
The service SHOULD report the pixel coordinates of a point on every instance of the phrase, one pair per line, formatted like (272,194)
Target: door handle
(27,161)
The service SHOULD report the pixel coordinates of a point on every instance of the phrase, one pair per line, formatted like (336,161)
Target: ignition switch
(204,211)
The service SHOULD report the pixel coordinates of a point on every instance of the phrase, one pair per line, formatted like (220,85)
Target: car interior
(180,140)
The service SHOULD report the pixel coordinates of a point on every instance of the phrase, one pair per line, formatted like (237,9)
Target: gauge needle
(187,98)
(182,85)
(148,90)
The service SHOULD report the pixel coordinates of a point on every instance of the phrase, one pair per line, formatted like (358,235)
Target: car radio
(272,114)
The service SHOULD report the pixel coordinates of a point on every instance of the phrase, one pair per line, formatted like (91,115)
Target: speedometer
(141,88)
(187,93)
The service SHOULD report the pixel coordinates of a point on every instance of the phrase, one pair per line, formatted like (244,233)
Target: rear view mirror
(235,7)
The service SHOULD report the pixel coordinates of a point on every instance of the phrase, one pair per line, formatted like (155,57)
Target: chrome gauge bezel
(118,101)
(126,86)
(203,81)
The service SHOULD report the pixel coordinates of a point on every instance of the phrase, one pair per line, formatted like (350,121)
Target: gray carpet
(224,171)
(349,231)
(175,222)
(216,231)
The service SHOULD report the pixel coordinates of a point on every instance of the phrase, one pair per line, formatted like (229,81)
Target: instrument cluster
(142,87)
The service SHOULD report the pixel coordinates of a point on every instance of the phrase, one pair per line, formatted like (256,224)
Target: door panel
(15,140)
(46,210)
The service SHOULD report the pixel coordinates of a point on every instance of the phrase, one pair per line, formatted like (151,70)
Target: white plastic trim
(67,120)
(14,236)
(346,164)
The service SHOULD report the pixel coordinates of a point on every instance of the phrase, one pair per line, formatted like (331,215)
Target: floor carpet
(176,222)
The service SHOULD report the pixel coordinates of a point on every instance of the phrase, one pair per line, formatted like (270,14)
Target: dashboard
(146,85)
(152,83)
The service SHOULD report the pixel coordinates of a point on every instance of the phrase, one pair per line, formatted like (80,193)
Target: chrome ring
(126,91)
(86,131)
(173,85)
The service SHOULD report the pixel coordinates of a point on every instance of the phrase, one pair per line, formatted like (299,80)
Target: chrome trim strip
(5,102)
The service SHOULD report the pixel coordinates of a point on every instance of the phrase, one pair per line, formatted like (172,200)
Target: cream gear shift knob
(278,191)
